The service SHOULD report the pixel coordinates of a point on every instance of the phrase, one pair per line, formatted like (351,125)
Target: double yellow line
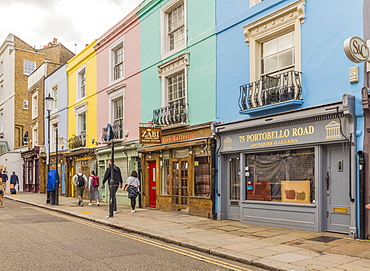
(145,241)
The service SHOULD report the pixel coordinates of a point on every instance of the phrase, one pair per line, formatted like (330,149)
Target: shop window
(165,172)
(202,176)
(284,176)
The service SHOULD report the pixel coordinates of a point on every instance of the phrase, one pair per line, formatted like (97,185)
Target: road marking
(106,228)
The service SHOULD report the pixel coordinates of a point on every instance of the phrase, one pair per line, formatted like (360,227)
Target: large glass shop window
(283,176)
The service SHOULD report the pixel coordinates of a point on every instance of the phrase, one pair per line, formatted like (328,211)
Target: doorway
(152,184)
(337,179)
(234,189)
(179,184)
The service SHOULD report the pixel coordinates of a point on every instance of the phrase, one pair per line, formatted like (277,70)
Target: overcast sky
(72,22)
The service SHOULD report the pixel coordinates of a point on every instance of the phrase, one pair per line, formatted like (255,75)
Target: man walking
(113,184)
(13,181)
(80,181)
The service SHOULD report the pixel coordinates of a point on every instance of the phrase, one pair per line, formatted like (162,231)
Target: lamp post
(48,104)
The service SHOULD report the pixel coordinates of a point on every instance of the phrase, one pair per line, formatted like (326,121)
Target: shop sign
(289,135)
(356,49)
(178,137)
(152,135)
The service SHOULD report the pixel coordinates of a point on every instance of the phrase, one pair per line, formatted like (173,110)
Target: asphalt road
(34,238)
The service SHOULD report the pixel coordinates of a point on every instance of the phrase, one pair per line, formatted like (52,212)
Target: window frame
(35,105)
(112,50)
(27,69)
(55,95)
(275,24)
(114,119)
(114,95)
(165,10)
(81,78)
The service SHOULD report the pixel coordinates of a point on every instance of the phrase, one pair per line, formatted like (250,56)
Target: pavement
(272,248)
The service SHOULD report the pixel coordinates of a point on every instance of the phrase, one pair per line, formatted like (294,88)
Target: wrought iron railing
(271,89)
(171,114)
(77,141)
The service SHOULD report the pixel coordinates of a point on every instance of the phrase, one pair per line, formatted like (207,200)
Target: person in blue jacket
(14,179)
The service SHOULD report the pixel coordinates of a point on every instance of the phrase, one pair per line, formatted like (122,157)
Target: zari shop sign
(289,135)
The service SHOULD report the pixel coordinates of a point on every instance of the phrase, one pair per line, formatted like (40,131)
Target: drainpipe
(214,172)
(361,163)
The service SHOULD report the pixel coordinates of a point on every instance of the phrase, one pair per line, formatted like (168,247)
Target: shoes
(133,211)
(90,203)
(82,204)
(79,203)
(98,203)
(114,212)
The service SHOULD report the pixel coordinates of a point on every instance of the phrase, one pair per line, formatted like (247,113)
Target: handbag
(127,187)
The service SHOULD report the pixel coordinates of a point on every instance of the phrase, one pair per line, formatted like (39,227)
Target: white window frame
(35,105)
(171,68)
(25,104)
(55,95)
(279,22)
(165,10)
(54,122)
(34,136)
(79,110)
(112,49)
(79,73)
(113,95)
(28,66)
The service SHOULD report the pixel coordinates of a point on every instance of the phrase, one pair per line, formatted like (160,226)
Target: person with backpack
(80,181)
(94,187)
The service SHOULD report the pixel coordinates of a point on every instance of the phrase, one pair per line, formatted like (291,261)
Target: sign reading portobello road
(312,132)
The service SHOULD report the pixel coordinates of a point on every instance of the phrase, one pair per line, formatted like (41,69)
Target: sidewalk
(268,247)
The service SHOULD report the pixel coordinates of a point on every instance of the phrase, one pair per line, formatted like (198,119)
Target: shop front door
(179,184)
(233,212)
(152,184)
(337,190)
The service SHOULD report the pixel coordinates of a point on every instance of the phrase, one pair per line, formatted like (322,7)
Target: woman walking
(133,189)
(94,187)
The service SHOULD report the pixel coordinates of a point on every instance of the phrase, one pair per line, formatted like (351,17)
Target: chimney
(55,40)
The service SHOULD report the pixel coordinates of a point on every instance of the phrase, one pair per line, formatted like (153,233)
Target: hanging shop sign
(356,49)
(151,135)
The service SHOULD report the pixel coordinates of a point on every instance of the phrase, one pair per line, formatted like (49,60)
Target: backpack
(94,181)
(80,181)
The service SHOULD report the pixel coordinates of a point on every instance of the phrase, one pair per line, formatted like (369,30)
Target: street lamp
(48,104)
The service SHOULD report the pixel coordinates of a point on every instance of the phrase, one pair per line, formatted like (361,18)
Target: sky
(74,23)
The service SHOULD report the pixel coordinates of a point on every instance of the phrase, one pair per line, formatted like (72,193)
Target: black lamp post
(48,104)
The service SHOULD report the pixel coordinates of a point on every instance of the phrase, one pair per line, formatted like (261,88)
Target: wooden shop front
(177,173)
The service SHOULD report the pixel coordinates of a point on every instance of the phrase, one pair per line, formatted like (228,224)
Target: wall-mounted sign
(151,135)
(356,49)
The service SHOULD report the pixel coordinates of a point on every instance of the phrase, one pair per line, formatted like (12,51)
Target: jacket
(14,179)
(117,177)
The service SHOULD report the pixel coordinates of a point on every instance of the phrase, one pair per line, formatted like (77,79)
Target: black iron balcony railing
(77,141)
(117,130)
(271,89)
(171,114)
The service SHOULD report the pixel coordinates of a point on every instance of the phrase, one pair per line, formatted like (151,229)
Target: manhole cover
(324,239)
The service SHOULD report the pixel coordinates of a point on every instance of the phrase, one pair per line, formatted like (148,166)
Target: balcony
(77,141)
(117,131)
(271,91)
(175,113)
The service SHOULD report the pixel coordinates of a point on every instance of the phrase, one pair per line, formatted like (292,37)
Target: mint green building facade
(178,87)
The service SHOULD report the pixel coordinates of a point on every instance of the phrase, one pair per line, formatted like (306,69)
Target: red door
(152,184)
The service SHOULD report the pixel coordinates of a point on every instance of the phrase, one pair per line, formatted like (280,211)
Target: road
(34,238)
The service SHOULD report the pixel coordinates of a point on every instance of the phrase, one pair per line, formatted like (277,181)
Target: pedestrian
(2,192)
(5,178)
(113,184)
(80,181)
(13,181)
(94,187)
(133,189)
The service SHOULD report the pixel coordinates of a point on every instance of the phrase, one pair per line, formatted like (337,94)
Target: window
(176,89)
(118,117)
(55,96)
(29,67)
(82,84)
(35,139)
(118,62)
(274,41)
(174,27)
(82,124)
(53,136)
(25,103)
(284,176)
(202,176)
(165,174)
(278,54)
(34,105)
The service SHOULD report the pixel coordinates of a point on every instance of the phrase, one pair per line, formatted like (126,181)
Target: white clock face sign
(356,49)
